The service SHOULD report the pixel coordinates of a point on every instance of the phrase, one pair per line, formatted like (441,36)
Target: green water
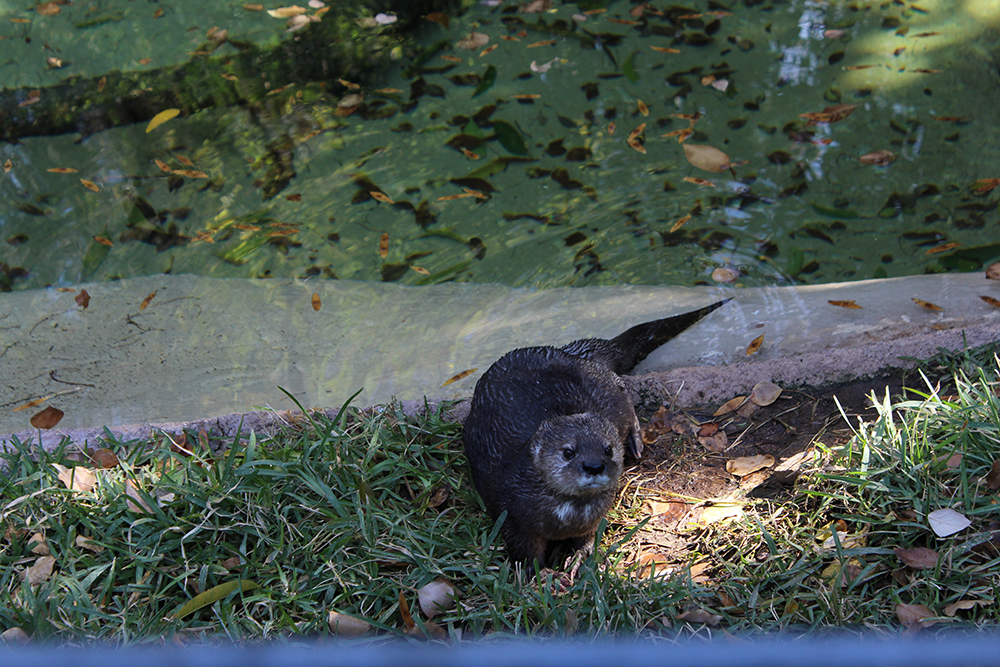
(564,201)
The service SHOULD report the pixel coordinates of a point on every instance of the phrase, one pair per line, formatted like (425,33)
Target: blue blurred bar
(947,651)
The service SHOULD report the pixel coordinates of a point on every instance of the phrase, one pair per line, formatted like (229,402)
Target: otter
(547,434)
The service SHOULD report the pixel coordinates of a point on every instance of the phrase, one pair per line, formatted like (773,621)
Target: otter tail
(623,352)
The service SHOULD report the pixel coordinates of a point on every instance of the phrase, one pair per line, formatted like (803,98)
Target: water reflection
(511,162)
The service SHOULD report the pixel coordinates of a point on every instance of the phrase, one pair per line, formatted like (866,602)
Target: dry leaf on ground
(343,625)
(919,558)
(436,597)
(945,522)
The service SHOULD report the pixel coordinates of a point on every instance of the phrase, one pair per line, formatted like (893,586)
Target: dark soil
(680,476)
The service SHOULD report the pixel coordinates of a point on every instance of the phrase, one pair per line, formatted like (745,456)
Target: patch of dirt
(682,483)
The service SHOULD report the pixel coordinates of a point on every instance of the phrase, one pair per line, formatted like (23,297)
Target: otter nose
(593,469)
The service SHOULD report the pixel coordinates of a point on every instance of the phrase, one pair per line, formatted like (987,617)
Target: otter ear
(633,442)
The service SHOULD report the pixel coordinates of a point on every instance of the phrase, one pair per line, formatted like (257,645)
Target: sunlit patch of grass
(346,514)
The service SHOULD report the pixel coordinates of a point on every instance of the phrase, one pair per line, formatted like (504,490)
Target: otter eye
(607,450)
(569,453)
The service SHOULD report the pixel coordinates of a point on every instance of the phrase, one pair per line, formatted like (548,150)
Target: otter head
(578,455)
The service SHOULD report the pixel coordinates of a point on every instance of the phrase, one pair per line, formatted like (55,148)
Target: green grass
(348,514)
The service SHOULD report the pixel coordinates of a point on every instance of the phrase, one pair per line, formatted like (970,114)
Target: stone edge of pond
(687,387)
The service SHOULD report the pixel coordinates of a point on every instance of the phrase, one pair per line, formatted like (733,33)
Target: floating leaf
(90,185)
(834,113)
(459,376)
(47,418)
(755,345)
(944,247)
(48,8)
(744,465)
(699,181)
(993,271)
(985,184)
(927,304)
(919,558)
(421,270)
(214,594)
(707,158)
(486,81)
(945,522)
(287,12)
(663,49)
(680,223)
(442,20)
(190,173)
(62,170)
(878,158)
(547,42)
(990,300)
(381,196)
(82,299)
(383,245)
(7,166)
(725,275)
(316,303)
(765,393)
(845,304)
(509,137)
(161,118)
(488,50)
(474,40)
(145,302)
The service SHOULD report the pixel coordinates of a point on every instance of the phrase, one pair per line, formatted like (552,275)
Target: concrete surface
(206,347)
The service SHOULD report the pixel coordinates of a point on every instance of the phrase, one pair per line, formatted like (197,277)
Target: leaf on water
(62,170)
(721,85)
(421,270)
(663,49)
(77,478)
(547,42)
(945,522)
(486,82)
(834,113)
(287,12)
(442,20)
(145,302)
(725,275)
(611,127)
(944,247)
(993,271)
(680,223)
(190,173)
(765,393)
(349,84)
(48,8)
(459,376)
(381,196)
(845,304)
(509,138)
(488,50)
(681,134)
(744,465)
(383,245)
(316,303)
(342,625)
(100,84)
(161,118)
(919,558)
(878,158)
(183,160)
(755,345)
(636,138)
(47,418)
(83,298)
(707,158)
(213,595)
(699,181)
(927,304)
(474,40)
(436,597)
(90,185)
(730,405)
(164,167)
(7,166)
(985,184)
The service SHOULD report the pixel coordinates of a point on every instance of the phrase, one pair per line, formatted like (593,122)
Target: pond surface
(584,144)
